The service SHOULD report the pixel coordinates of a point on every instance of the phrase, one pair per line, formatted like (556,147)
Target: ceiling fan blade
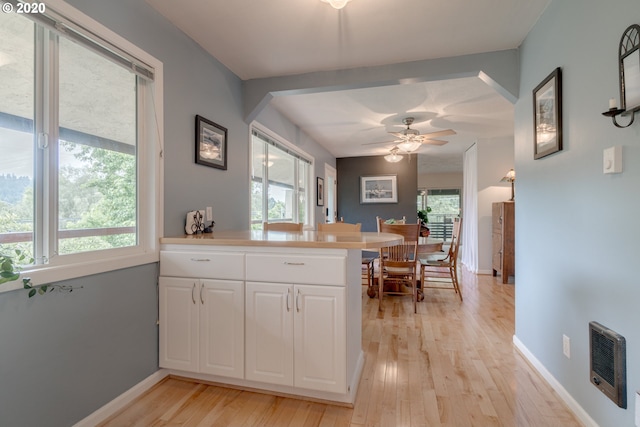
(437,134)
(434,142)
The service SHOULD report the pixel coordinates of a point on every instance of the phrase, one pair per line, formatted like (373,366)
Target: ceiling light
(409,146)
(336,4)
(393,157)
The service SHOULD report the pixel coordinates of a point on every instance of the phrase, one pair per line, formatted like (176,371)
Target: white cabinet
(295,335)
(269,333)
(179,324)
(201,322)
(278,319)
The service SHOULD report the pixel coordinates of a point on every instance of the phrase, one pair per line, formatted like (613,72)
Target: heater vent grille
(608,363)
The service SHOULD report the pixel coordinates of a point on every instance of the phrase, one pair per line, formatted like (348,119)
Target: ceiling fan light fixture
(409,146)
(393,157)
(336,4)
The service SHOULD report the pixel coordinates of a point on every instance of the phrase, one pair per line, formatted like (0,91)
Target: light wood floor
(452,364)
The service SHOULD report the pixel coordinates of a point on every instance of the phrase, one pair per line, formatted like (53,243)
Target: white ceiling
(259,38)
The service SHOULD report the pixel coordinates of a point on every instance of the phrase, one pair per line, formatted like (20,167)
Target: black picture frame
(547,115)
(319,191)
(211,144)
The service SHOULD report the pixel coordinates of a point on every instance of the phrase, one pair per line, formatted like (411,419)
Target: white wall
(440,180)
(577,229)
(495,158)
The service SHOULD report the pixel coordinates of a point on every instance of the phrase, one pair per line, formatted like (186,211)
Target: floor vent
(608,363)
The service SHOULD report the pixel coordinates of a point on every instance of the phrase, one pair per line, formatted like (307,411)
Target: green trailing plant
(10,271)
(423,215)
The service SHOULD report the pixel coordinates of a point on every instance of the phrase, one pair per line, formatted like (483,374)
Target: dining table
(427,246)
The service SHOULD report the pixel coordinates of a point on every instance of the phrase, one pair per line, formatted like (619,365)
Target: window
(79,137)
(279,182)
(445,206)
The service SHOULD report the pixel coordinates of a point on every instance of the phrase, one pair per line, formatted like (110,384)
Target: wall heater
(608,363)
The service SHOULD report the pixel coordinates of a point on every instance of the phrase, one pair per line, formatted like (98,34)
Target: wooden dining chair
(282,226)
(340,227)
(403,220)
(439,273)
(398,264)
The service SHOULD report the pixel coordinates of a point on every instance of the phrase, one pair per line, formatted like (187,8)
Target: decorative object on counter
(209,229)
(319,191)
(10,271)
(629,72)
(194,222)
(547,115)
(379,189)
(510,177)
(211,144)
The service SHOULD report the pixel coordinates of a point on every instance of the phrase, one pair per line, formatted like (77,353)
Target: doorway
(331,186)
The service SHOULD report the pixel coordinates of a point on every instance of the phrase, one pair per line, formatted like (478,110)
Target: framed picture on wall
(211,144)
(378,189)
(547,115)
(319,191)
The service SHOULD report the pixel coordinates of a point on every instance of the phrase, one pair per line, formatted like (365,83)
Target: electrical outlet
(566,346)
(209,213)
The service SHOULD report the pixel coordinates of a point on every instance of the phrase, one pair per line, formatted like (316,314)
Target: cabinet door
(320,348)
(178,338)
(269,333)
(222,327)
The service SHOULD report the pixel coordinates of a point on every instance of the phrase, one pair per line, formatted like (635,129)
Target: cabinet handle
(500,220)
(193,289)
(298,301)
(293,263)
(288,305)
(201,299)
(200,259)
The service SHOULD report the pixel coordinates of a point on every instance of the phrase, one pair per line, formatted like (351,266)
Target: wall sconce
(510,177)
(629,69)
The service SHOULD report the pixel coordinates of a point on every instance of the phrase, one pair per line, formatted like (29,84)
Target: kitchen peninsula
(273,311)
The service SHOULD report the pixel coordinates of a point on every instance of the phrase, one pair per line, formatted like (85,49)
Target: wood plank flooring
(452,364)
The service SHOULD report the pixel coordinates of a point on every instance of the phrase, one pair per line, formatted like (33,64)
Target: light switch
(612,159)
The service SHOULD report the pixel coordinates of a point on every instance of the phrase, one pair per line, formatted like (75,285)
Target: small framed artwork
(211,144)
(378,189)
(547,115)
(319,191)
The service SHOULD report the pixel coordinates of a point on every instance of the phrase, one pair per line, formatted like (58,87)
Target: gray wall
(350,169)
(576,229)
(64,355)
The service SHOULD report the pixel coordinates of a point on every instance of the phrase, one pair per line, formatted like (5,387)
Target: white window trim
(151,190)
(310,185)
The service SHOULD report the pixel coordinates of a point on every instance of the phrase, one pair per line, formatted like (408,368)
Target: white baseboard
(555,384)
(123,400)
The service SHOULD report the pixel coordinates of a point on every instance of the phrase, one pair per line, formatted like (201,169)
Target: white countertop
(305,239)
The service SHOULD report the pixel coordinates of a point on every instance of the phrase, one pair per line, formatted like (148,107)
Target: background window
(279,182)
(445,206)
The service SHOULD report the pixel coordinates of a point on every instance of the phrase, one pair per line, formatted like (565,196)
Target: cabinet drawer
(214,265)
(288,268)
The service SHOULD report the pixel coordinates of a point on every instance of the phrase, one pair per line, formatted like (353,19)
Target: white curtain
(469,240)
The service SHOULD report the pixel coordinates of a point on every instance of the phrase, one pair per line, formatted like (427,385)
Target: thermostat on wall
(612,160)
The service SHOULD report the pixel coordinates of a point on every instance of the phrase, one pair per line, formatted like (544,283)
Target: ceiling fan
(410,139)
